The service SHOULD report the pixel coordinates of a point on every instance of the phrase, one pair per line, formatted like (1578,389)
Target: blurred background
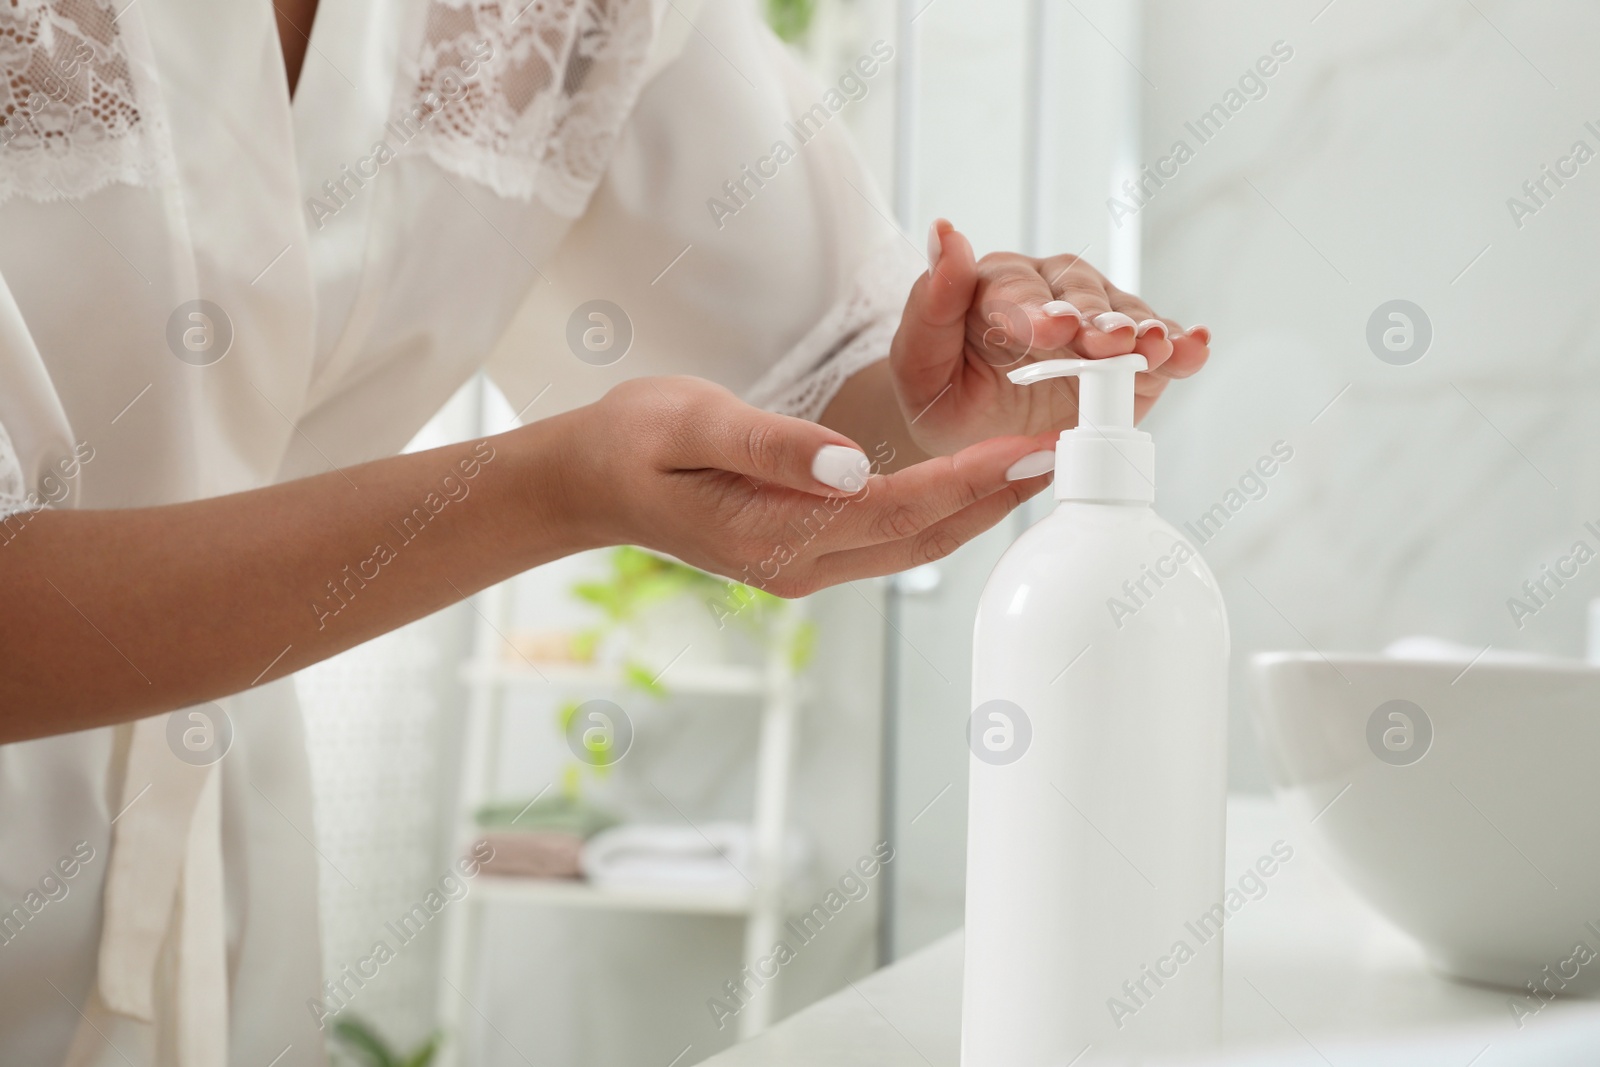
(1397,291)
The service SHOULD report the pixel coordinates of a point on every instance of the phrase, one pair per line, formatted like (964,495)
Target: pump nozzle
(1104,458)
(1105,397)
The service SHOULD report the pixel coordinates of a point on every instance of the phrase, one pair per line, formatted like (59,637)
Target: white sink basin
(1463,802)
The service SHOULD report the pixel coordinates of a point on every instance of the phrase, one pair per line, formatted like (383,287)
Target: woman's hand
(682,466)
(968,321)
(128,612)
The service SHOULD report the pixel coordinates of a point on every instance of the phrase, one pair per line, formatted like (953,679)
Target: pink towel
(534,854)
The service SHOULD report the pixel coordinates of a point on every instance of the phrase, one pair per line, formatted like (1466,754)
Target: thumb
(929,346)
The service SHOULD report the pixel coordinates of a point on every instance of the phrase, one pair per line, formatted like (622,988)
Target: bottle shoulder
(1098,555)
(1074,531)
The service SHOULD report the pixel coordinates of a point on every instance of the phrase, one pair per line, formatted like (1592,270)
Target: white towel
(714,855)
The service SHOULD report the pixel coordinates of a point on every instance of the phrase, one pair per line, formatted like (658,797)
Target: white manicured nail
(1201,333)
(1031,466)
(841,468)
(1151,326)
(935,246)
(1111,321)
(1060,309)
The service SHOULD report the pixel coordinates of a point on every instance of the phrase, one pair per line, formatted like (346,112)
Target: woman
(240,266)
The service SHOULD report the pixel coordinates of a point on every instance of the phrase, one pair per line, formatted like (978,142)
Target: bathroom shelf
(575,894)
(772,686)
(690,679)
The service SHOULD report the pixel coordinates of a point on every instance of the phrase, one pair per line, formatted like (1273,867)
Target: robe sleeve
(13,493)
(35,439)
(736,228)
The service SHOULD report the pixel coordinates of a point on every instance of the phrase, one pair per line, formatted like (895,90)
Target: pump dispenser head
(1104,458)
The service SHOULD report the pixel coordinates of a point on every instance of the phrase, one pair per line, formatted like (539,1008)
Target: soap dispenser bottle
(1098,773)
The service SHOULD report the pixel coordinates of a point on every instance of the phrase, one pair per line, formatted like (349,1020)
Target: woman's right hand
(682,466)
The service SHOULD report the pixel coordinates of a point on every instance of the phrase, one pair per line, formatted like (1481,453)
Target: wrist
(558,489)
(869,410)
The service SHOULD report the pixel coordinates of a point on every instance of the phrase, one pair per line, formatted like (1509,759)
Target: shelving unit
(489,677)
(556,892)
(691,679)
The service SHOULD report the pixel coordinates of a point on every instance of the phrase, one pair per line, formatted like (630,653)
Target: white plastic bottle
(1099,767)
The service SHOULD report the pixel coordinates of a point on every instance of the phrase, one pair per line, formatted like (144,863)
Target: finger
(911,500)
(934,543)
(719,431)
(1151,335)
(1190,350)
(1107,332)
(929,345)
(1074,280)
(1151,340)
(1014,312)
(1130,305)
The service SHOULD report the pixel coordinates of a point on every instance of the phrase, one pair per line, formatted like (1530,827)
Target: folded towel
(548,646)
(715,855)
(540,854)
(565,814)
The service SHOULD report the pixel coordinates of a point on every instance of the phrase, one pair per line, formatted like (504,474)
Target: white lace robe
(362,252)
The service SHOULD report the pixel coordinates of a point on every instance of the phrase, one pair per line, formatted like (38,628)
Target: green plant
(360,1044)
(790,19)
(639,580)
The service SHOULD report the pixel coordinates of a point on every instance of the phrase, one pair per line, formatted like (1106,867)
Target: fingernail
(841,468)
(1151,326)
(1111,321)
(935,244)
(1060,309)
(1201,334)
(1031,466)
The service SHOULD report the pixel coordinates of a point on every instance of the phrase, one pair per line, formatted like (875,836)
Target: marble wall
(1385,160)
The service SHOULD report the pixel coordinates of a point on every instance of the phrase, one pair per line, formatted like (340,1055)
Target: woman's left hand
(969,321)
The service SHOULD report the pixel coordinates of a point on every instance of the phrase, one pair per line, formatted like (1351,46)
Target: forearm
(112,615)
(866,410)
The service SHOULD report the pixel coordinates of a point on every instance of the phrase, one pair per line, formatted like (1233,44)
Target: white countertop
(1313,976)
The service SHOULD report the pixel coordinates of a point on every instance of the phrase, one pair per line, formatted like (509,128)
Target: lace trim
(855,333)
(13,485)
(529,100)
(70,122)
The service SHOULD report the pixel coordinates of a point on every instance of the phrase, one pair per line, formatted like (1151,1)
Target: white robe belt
(165,879)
